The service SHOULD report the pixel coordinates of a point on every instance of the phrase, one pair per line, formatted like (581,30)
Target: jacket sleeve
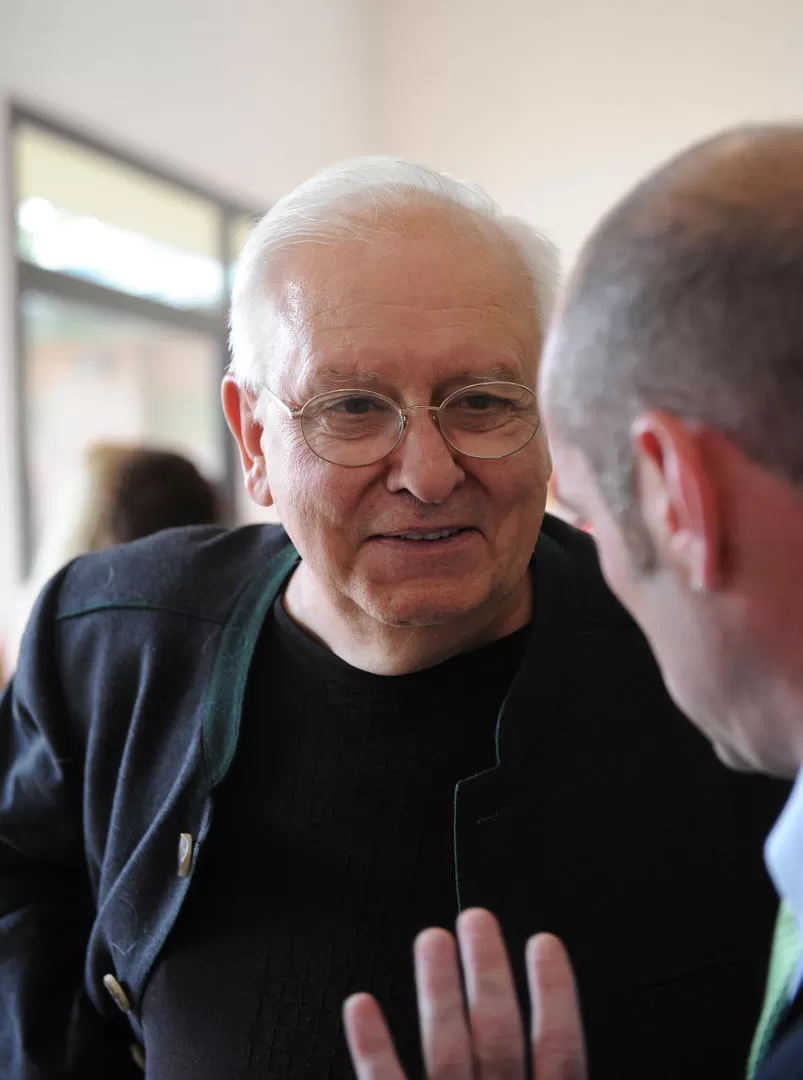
(48,1026)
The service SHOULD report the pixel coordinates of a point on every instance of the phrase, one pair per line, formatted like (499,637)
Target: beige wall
(557,106)
(250,95)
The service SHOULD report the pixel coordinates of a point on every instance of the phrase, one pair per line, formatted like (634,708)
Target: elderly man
(240,769)
(673,387)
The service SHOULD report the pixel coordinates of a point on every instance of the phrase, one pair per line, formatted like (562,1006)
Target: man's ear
(678,497)
(240,409)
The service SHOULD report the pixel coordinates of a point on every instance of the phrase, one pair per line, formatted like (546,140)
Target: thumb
(557,1032)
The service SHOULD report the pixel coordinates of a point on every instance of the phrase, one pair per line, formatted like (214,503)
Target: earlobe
(678,498)
(240,409)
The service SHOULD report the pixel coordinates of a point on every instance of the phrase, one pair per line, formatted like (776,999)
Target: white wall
(249,95)
(556,106)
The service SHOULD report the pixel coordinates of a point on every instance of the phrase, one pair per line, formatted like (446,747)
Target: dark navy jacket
(607,820)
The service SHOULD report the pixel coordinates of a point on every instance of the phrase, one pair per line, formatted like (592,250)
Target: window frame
(27,276)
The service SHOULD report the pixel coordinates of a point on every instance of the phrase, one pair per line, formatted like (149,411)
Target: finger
(445,1038)
(496,1028)
(557,1031)
(369,1041)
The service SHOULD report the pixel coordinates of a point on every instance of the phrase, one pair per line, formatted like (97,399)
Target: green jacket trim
(222,716)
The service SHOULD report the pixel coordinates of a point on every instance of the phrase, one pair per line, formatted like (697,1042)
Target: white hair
(341,202)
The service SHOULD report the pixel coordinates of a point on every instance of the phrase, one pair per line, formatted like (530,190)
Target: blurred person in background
(673,389)
(155,490)
(124,492)
(239,769)
(121,492)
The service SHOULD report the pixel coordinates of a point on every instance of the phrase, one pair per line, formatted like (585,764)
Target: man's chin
(422,606)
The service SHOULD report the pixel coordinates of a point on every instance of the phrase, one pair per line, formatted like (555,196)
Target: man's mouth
(423,535)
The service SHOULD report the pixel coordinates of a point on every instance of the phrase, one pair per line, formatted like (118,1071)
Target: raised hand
(481,1038)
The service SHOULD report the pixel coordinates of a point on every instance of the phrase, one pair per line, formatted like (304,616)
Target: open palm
(481,1037)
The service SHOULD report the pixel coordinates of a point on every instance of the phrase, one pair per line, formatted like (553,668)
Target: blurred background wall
(557,107)
(246,95)
(554,107)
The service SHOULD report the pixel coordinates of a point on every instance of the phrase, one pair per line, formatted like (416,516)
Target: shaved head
(688,297)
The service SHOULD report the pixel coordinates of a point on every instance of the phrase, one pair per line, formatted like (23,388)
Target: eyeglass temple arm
(291,412)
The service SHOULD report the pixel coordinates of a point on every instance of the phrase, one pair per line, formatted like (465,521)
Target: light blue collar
(783,855)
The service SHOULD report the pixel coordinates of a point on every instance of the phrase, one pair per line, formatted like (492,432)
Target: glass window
(95,376)
(124,274)
(240,228)
(83,213)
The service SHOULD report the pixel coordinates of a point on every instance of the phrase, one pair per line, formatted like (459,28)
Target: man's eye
(482,402)
(353,406)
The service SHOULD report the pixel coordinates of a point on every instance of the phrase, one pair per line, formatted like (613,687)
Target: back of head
(357,200)
(78,522)
(687,298)
(121,493)
(155,490)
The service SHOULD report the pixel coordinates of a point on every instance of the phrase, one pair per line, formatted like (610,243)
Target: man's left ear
(678,497)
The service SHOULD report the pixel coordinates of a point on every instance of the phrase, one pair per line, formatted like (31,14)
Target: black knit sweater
(332,849)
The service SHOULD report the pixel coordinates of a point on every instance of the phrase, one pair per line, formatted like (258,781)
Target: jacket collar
(545,658)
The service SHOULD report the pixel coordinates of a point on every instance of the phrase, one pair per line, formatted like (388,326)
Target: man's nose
(423,463)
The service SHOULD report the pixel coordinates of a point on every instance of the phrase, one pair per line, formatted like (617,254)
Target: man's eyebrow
(339,378)
(496,373)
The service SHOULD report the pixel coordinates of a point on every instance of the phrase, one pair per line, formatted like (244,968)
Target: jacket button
(116,993)
(138,1054)
(184,854)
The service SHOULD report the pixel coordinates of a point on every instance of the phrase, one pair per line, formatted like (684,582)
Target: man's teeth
(442,535)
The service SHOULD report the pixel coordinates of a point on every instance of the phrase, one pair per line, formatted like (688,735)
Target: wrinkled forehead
(423,293)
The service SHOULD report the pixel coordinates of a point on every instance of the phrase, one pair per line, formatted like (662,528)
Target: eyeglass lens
(489,420)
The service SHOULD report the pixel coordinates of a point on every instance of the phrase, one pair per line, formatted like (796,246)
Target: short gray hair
(341,202)
(687,298)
